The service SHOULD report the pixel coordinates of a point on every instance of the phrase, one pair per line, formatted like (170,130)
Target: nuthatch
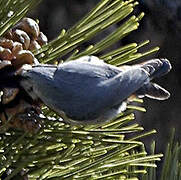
(89,91)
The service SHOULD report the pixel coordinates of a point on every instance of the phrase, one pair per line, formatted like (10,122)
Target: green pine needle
(113,150)
(11,11)
(171,167)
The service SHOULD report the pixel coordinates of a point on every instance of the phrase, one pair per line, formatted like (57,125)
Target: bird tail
(155,68)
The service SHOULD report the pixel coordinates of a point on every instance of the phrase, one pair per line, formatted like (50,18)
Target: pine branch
(105,14)
(113,150)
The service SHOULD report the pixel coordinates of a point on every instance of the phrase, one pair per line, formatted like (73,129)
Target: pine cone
(16,48)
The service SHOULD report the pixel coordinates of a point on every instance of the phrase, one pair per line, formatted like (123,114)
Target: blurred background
(161,25)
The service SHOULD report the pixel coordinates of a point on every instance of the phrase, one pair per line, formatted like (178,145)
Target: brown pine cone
(16,48)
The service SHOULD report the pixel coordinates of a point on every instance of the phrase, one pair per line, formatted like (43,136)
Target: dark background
(161,25)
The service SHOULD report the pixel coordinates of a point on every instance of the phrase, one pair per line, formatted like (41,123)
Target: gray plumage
(88,90)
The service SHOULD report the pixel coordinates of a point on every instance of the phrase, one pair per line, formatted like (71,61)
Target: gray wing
(78,83)
(89,66)
(83,89)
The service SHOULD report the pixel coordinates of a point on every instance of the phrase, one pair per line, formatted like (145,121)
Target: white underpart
(122,107)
